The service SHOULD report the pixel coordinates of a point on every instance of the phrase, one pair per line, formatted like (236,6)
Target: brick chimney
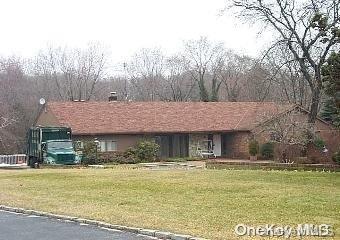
(113,97)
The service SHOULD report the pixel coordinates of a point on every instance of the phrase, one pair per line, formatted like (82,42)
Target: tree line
(290,71)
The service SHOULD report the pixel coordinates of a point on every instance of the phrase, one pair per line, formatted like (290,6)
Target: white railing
(13,159)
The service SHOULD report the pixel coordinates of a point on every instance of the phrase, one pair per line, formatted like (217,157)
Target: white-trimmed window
(108,145)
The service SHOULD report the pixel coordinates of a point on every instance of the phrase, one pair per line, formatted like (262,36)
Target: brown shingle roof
(161,117)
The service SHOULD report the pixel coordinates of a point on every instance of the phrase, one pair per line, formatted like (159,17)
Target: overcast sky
(124,26)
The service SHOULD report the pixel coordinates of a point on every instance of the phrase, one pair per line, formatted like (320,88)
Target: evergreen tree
(331,82)
(330,112)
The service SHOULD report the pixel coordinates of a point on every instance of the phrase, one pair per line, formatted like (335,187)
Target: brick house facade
(180,128)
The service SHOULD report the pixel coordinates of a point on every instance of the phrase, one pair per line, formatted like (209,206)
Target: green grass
(205,203)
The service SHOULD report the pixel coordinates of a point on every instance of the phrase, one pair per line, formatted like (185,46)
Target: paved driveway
(24,227)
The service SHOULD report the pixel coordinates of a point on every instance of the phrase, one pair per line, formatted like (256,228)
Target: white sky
(123,25)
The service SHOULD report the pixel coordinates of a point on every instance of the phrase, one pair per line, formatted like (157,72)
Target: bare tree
(309,29)
(7,121)
(73,72)
(233,74)
(205,62)
(286,130)
(146,70)
(16,104)
(258,83)
(288,82)
(6,146)
(179,85)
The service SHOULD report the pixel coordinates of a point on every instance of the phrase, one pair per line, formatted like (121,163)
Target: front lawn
(205,203)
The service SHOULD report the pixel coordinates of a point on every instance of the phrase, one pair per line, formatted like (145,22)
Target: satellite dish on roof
(42,101)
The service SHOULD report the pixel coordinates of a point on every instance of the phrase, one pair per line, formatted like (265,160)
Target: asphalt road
(24,227)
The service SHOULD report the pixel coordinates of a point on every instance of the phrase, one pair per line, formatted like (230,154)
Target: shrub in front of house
(89,153)
(130,156)
(253,147)
(319,143)
(113,157)
(336,157)
(144,151)
(267,150)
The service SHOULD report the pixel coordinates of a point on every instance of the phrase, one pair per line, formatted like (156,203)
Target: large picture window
(108,145)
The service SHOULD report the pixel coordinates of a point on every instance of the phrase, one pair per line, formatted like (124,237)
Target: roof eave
(156,132)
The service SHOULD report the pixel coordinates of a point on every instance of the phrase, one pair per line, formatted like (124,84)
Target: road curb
(146,232)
